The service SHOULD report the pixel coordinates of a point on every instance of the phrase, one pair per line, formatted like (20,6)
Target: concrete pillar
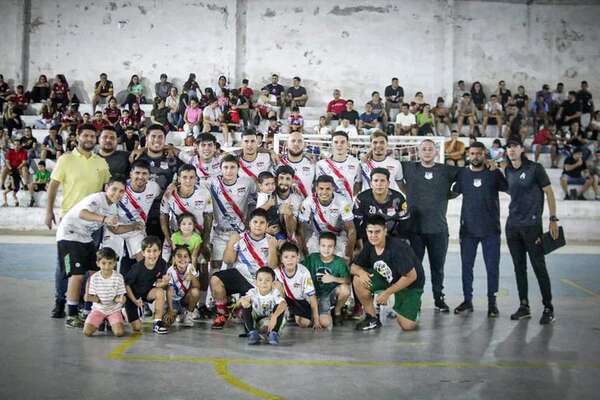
(448,78)
(241,27)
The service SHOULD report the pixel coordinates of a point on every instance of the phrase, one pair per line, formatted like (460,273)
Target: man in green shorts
(389,266)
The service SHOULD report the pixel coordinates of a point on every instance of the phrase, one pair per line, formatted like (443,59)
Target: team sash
(253,252)
(245,168)
(135,204)
(202,173)
(321,216)
(367,176)
(180,284)
(340,176)
(230,201)
(296,178)
(184,209)
(286,288)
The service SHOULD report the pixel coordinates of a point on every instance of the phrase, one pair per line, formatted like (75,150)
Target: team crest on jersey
(149,196)
(306,169)
(428,175)
(241,190)
(477,182)
(391,211)
(164,165)
(347,208)
(522,176)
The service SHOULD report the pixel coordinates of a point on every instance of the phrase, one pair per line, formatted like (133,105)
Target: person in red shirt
(16,166)
(546,138)
(99,121)
(335,106)
(112,112)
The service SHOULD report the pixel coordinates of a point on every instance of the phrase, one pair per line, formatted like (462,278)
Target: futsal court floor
(449,357)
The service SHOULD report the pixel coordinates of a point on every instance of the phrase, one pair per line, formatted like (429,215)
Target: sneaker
(273,338)
(338,320)
(441,306)
(547,316)
(160,328)
(465,306)
(581,197)
(368,323)
(219,322)
(253,338)
(203,313)
(522,313)
(187,319)
(74,322)
(59,310)
(567,197)
(147,310)
(493,311)
(597,197)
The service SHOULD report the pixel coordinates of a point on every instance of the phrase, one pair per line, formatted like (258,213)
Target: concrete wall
(353,45)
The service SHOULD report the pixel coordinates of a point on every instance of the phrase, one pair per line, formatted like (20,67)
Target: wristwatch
(553,218)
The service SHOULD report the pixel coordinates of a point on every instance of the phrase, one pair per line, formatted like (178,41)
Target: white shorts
(133,241)
(340,244)
(219,240)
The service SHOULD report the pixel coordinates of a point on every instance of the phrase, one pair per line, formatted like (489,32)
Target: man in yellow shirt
(81,173)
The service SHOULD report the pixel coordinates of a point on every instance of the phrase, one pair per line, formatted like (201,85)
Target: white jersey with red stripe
(178,282)
(204,170)
(389,163)
(251,169)
(330,218)
(344,173)
(251,256)
(226,207)
(198,204)
(135,206)
(264,305)
(298,286)
(305,173)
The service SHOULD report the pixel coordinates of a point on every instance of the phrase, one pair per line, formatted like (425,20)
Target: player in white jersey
(231,195)
(251,161)
(325,211)
(204,158)
(133,207)
(187,198)
(379,158)
(298,288)
(303,166)
(342,167)
(248,252)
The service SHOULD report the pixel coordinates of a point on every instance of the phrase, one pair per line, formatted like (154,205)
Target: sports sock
(221,307)
(72,308)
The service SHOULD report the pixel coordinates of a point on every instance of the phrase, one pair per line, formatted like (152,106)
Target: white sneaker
(187,319)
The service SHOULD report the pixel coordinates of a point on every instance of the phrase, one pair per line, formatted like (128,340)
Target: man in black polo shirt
(428,190)
(527,183)
(388,265)
(381,200)
(479,223)
(117,160)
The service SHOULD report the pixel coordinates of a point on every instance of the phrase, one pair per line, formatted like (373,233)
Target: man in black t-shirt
(117,160)
(296,95)
(103,91)
(479,223)
(350,114)
(387,265)
(277,90)
(569,111)
(394,97)
(527,184)
(575,172)
(587,104)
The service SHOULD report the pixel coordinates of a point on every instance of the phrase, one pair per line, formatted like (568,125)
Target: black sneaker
(74,322)
(465,306)
(547,316)
(59,310)
(368,323)
(493,311)
(160,328)
(441,306)
(338,320)
(522,313)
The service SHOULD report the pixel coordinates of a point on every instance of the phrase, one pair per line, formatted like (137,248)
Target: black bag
(550,244)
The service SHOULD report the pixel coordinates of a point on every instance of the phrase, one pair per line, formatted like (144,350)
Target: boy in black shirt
(147,281)
(387,265)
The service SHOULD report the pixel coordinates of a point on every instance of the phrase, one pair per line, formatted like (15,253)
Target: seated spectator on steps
(40,91)
(158,115)
(192,118)
(20,99)
(295,121)
(350,113)
(39,182)
(545,139)
(46,117)
(52,146)
(425,121)
(569,111)
(162,87)
(466,114)
(368,122)
(103,91)
(278,91)
(406,122)
(378,107)
(296,95)
(60,95)
(335,107)
(213,121)
(135,92)
(112,112)
(441,114)
(575,172)
(137,115)
(323,128)
(99,121)
(493,117)
(347,127)
(455,150)
(394,97)
(540,112)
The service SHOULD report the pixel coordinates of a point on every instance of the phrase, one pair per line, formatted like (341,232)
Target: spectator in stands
(478,97)
(546,94)
(394,97)
(275,89)
(52,146)
(246,91)
(112,113)
(191,87)
(587,104)
(405,121)
(266,104)
(323,128)
(296,94)
(416,105)
(497,152)
(539,112)
(221,86)
(103,91)
(12,120)
(335,107)
(135,92)
(295,121)
(99,121)
(46,117)
(503,93)
(212,119)
(117,160)
(378,108)
(368,122)
(441,113)
(16,165)
(158,115)
(162,87)
(192,118)
(60,94)
(172,102)
(20,99)
(40,91)
(459,92)
(455,150)
(569,111)
(575,172)
(425,121)
(347,127)
(71,141)
(545,139)
(39,182)
(350,113)
(5,92)
(594,128)
(521,99)
(595,171)
(493,117)
(466,114)
(28,143)
(137,115)
(577,140)
(130,140)
(240,104)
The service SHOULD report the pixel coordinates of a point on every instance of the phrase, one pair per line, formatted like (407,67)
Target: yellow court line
(118,352)
(221,368)
(569,282)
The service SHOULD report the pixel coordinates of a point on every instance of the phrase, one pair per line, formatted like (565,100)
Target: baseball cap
(514,140)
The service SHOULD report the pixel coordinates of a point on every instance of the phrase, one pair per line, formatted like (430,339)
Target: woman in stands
(136,115)
(174,116)
(479,99)
(135,92)
(426,121)
(441,113)
(191,87)
(40,91)
(60,94)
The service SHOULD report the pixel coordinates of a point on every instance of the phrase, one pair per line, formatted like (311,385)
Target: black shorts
(233,281)
(76,258)
(39,187)
(132,311)
(16,177)
(466,120)
(492,121)
(215,129)
(299,308)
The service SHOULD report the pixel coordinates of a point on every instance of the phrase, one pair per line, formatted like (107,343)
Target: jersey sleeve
(541,177)
(346,212)
(164,206)
(277,297)
(398,177)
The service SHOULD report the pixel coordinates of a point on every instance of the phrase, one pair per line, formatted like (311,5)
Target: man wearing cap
(527,184)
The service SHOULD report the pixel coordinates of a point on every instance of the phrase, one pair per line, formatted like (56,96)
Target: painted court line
(569,282)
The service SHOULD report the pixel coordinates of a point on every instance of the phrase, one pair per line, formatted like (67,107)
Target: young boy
(248,253)
(40,181)
(263,303)
(147,282)
(183,292)
(298,288)
(267,200)
(331,279)
(106,290)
